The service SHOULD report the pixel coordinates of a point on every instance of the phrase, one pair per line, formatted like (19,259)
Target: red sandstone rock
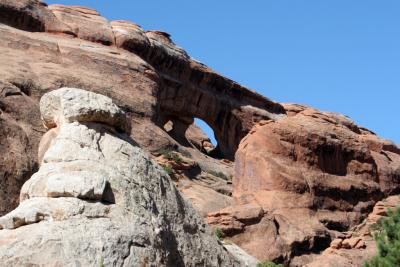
(336,244)
(181,164)
(195,135)
(140,74)
(365,247)
(300,181)
(31,15)
(205,196)
(232,220)
(315,174)
(351,242)
(85,23)
(129,36)
(20,131)
(360,245)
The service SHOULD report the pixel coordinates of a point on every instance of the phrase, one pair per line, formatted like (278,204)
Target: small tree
(168,169)
(219,233)
(388,241)
(169,154)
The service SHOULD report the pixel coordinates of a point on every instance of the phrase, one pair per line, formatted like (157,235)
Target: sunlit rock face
(301,177)
(44,48)
(302,181)
(98,199)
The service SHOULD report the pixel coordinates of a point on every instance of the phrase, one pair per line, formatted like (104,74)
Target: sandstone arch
(190,89)
(230,111)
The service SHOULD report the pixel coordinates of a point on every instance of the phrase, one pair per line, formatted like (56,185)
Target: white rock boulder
(98,200)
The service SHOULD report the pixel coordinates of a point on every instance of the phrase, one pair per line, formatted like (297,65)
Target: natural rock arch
(230,111)
(189,89)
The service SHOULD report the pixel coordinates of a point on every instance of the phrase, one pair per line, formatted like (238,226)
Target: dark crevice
(26,86)
(352,196)
(309,246)
(335,225)
(276,226)
(20,20)
(108,195)
(255,220)
(169,244)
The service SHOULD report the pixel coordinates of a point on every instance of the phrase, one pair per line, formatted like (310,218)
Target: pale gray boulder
(72,104)
(98,200)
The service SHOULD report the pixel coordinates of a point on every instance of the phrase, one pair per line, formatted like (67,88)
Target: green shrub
(268,264)
(219,174)
(387,236)
(169,154)
(168,169)
(219,233)
(176,157)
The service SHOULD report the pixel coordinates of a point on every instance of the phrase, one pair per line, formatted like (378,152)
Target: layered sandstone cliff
(155,82)
(303,181)
(300,180)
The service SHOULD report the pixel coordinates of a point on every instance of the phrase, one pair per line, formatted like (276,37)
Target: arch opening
(207,130)
(230,111)
(192,132)
(202,136)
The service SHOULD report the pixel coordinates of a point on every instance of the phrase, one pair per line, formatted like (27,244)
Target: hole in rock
(193,132)
(207,130)
(206,138)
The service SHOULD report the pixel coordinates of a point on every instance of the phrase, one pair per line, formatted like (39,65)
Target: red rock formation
(85,23)
(198,138)
(358,245)
(30,15)
(189,88)
(314,174)
(154,81)
(302,176)
(20,132)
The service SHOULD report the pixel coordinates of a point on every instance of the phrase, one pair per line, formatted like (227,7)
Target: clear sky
(335,55)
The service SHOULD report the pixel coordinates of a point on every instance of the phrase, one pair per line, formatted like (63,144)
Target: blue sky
(335,55)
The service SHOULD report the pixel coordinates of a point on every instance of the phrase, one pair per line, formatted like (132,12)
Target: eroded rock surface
(20,132)
(30,15)
(302,181)
(357,245)
(98,199)
(154,81)
(303,177)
